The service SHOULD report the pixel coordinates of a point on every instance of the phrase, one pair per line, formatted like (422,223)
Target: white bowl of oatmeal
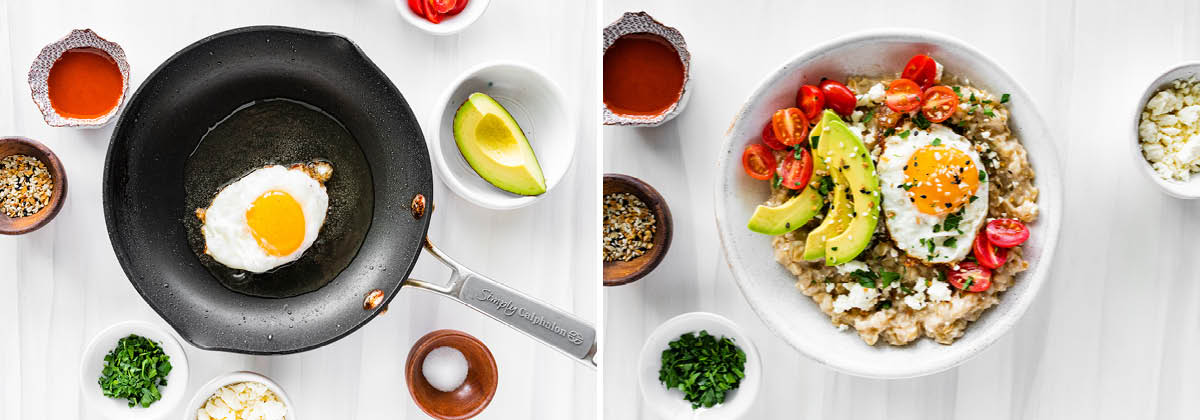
(885,342)
(1166,131)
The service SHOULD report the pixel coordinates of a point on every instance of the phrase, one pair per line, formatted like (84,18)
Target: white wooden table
(62,284)
(1113,335)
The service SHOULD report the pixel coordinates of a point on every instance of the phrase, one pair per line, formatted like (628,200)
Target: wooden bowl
(617,273)
(472,396)
(23,146)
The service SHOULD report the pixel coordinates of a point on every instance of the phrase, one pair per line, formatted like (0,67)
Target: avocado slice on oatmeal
(849,157)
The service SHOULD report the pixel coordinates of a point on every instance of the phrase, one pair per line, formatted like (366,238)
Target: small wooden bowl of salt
(451,375)
(33,185)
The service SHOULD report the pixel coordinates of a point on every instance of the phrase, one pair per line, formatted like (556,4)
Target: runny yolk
(940,179)
(276,222)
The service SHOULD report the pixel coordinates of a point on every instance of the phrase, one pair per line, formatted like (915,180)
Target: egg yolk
(276,222)
(940,179)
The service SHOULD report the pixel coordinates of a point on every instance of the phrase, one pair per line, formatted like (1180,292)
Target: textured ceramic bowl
(92,365)
(207,390)
(540,108)
(450,25)
(1189,189)
(642,23)
(669,403)
(39,72)
(769,287)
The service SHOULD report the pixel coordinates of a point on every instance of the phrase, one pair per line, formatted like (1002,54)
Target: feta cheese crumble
(1169,130)
(243,401)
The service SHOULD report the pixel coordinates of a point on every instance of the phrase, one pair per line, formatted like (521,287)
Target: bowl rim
(58,174)
(1170,187)
(205,391)
(747,390)
(170,343)
(447,27)
(440,156)
(1049,219)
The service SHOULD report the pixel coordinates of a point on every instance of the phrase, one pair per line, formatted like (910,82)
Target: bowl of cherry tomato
(769,141)
(441,17)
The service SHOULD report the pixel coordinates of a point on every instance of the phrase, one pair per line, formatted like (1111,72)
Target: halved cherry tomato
(443,6)
(431,14)
(758,161)
(768,136)
(988,254)
(940,103)
(838,97)
(970,277)
(417,6)
(462,4)
(903,95)
(922,70)
(1006,233)
(810,100)
(795,173)
(791,127)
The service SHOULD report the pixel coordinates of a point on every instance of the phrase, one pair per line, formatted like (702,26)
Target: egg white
(908,226)
(227,235)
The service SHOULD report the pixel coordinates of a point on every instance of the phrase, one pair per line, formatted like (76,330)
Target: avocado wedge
(835,222)
(494,145)
(849,157)
(788,216)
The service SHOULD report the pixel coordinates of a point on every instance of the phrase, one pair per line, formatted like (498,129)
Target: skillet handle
(554,327)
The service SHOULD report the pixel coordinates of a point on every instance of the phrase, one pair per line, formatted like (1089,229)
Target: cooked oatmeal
(912,298)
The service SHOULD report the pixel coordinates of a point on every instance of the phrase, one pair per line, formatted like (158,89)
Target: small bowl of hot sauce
(645,71)
(80,80)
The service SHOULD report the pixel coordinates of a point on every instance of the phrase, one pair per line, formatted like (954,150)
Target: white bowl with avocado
(770,288)
(503,136)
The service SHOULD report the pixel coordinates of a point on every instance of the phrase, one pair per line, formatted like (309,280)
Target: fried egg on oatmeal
(267,218)
(935,193)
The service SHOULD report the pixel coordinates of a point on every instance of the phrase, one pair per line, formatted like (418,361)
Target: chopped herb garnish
(904,134)
(703,367)
(1004,98)
(799,154)
(920,121)
(972,96)
(867,117)
(973,198)
(134,371)
(887,277)
(972,109)
(930,245)
(982,175)
(826,185)
(941,275)
(776,180)
(988,111)
(937,142)
(889,132)
(865,277)
(950,242)
(957,91)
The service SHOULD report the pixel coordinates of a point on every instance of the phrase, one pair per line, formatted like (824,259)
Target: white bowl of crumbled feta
(1166,131)
(240,396)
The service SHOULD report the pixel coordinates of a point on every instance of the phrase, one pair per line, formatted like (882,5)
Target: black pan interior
(282,132)
(144,184)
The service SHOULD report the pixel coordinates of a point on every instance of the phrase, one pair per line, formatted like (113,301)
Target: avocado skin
(788,216)
(524,179)
(850,157)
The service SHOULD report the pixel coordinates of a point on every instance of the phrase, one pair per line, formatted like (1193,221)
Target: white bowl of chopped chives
(672,403)
(126,341)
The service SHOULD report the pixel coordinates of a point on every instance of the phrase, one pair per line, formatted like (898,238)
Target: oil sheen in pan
(283,132)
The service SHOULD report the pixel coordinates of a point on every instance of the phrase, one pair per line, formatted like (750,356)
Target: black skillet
(299,96)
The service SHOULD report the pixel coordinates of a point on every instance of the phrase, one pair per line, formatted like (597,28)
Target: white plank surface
(1113,334)
(62,284)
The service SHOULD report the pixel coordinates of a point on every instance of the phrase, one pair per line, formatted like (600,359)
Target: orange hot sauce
(84,83)
(643,75)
